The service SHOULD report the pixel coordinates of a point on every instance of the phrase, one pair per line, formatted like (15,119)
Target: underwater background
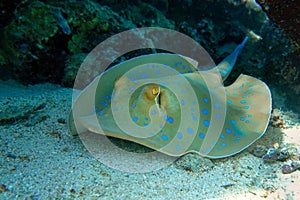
(42,45)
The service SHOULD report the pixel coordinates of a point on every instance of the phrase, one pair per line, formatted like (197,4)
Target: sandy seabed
(41,160)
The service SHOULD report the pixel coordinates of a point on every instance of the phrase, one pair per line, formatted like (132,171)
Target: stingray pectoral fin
(91,123)
(109,128)
(247,117)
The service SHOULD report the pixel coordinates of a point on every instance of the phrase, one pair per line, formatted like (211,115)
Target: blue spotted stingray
(164,102)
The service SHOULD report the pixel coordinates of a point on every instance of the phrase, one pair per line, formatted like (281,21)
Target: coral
(92,24)
(42,36)
(27,42)
(274,153)
(259,150)
(285,14)
(283,119)
(289,168)
(144,15)
(72,65)
(277,119)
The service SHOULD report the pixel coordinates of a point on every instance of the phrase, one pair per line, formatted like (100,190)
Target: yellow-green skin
(175,113)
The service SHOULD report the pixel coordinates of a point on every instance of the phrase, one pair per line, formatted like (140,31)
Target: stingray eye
(151,92)
(155,91)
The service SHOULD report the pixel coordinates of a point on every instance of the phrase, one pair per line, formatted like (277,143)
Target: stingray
(164,102)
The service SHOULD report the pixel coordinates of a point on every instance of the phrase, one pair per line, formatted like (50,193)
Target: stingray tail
(227,64)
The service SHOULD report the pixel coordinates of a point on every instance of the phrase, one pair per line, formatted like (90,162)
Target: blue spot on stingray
(242,118)
(152,134)
(229,101)
(222,136)
(153,112)
(228,130)
(233,121)
(247,121)
(194,117)
(166,118)
(205,99)
(249,115)
(132,79)
(133,105)
(134,119)
(201,135)
(237,139)
(146,118)
(178,63)
(246,107)
(164,137)
(205,112)
(182,102)
(146,124)
(194,102)
(234,94)
(243,101)
(183,67)
(106,97)
(171,120)
(132,88)
(143,76)
(217,105)
(176,83)
(182,90)
(100,112)
(190,130)
(177,147)
(218,116)
(179,135)
(223,144)
(157,71)
(206,123)
(115,109)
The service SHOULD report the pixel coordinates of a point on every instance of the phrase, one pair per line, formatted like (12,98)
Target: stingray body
(164,102)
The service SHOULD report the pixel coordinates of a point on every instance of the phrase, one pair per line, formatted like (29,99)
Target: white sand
(40,160)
